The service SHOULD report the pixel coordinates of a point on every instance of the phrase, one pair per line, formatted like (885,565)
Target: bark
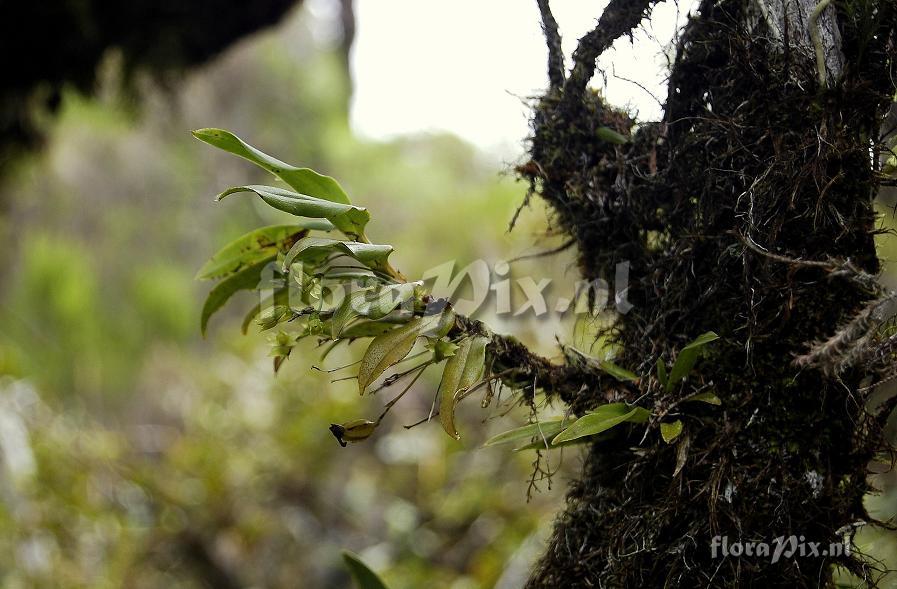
(747,211)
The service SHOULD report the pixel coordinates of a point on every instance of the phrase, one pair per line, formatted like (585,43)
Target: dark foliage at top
(50,44)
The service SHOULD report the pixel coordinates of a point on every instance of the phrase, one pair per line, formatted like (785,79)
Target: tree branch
(619,18)
(553,40)
(519,368)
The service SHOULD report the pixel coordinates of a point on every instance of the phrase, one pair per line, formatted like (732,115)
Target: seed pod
(352,431)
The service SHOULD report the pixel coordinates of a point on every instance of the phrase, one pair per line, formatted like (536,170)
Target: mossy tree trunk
(748,211)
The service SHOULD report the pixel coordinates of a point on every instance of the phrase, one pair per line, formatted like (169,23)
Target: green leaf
(617,372)
(687,357)
(302,180)
(349,219)
(670,431)
(462,371)
(367,329)
(391,347)
(611,136)
(364,577)
(441,349)
(280,297)
(546,429)
(370,303)
(252,247)
(662,377)
(315,249)
(246,279)
(540,444)
(602,419)
(607,366)
(706,397)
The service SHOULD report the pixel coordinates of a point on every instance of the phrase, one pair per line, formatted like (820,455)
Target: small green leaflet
(463,370)
(611,136)
(253,246)
(302,180)
(607,366)
(441,349)
(547,429)
(617,372)
(392,347)
(670,431)
(349,219)
(662,377)
(246,279)
(602,419)
(367,329)
(687,357)
(370,303)
(315,249)
(705,397)
(364,577)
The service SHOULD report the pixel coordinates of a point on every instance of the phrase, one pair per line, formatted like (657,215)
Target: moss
(750,153)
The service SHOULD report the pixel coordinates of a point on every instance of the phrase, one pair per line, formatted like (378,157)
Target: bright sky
(464,66)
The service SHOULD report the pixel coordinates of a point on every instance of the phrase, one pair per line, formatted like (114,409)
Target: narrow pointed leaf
(548,429)
(462,371)
(616,371)
(302,180)
(611,136)
(662,376)
(602,419)
(392,347)
(349,219)
(687,357)
(705,397)
(364,577)
(669,431)
(246,279)
(682,453)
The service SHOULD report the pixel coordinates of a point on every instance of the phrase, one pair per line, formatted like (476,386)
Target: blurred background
(136,453)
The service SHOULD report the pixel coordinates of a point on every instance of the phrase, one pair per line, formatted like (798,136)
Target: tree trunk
(747,211)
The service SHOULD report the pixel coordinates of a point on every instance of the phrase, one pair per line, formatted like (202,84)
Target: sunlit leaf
(602,419)
(349,219)
(364,577)
(302,180)
(254,246)
(462,371)
(669,431)
(317,248)
(687,357)
(246,279)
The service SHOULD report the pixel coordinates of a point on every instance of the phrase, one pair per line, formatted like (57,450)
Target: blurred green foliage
(136,454)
